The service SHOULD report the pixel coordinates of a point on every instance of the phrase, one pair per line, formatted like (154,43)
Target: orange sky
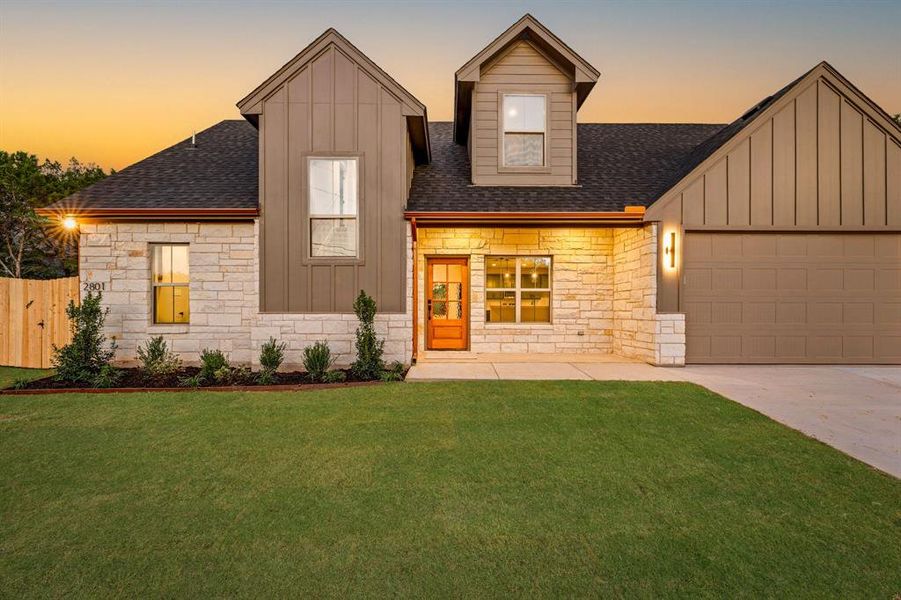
(111,83)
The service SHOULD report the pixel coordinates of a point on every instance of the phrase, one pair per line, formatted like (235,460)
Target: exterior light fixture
(69,223)
(669,249)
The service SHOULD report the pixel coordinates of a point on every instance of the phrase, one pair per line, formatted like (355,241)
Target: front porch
(444,366)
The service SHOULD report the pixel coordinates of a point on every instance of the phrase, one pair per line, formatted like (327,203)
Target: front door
(447,303)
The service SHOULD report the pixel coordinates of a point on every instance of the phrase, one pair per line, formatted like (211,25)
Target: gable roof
(720,143)
(528,28)
(251,105)
(619,165)
(218,174)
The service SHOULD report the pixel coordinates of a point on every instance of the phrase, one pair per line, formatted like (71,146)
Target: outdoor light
(69,223)
(669,249)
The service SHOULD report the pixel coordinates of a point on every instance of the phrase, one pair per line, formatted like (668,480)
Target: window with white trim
(525,123)
(517,289)
(171,284)
(333,194)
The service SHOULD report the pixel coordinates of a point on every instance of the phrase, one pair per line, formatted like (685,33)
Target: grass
(9,375)
(453,489)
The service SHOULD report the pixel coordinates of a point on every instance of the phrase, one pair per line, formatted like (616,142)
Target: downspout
(415,293)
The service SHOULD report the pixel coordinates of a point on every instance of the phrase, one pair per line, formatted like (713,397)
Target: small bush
(272,354)
(157,361)
(194,381)
(334,377)
(369,363)
(394,372)
(211,362)
(107,377)
(81,360)
(317,360)
(20,383)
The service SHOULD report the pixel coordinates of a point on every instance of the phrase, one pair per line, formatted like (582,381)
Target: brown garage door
(792,298)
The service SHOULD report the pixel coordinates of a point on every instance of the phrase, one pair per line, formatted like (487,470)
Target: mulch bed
(132,380)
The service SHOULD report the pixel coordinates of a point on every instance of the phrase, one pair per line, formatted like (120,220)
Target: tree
(29,247)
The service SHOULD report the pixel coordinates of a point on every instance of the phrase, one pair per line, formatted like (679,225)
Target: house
(773,239)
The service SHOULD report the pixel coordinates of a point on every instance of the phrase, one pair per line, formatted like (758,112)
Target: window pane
(439,272)
(439,291)
(439,309)
(454,310)
(162,263)
(333,237)
(333,186)
(180,304)
(163,305)
(500,307)
(524,149)
(500,272)
(536,307)
(524,113)
(535,272)
(454,291)
(179,273)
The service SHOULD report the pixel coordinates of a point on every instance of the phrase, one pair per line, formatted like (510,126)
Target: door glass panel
(439,309)
(455,310)
(455,291)
(439,291)
(439,272)
(454,273)
(500,307)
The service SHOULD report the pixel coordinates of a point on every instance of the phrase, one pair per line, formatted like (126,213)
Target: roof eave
(150,214)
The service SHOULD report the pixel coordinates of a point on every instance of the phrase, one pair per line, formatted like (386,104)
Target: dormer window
(525,126)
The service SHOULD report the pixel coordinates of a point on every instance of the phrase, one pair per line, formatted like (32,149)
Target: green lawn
(9,375)
(466,490)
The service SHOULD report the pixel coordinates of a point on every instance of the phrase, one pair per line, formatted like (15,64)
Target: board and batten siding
(332,107)
(820,159)
(523,69)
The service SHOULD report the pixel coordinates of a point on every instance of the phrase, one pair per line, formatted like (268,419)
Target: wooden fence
(33,319)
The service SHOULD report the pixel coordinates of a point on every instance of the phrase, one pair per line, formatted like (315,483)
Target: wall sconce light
(69,223)
(669,250)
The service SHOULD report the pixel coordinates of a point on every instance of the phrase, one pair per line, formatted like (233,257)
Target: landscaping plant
(394,372)
(82,360)
(212,363)
(369,364)
(157,362)
(272,354)
(317,360)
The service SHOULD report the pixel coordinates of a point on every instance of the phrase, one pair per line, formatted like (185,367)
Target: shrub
(317,360)
(157,361)
(81,360)
(20,383)
(369,364)
(394,372)
(211,362)
(194,381)
(107,377)
(272,354)
(334,377)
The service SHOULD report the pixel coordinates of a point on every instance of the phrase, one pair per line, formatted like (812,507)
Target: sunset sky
(112,82)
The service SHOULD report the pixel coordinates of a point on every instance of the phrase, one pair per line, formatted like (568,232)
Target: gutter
(631,216)
(151,214)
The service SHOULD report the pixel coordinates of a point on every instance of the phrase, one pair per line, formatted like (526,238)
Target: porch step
(457,356)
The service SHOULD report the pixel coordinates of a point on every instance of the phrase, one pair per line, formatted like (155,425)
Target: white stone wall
(638,330)
(582,286)
(224,292)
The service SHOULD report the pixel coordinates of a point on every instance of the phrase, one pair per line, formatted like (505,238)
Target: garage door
(792,298)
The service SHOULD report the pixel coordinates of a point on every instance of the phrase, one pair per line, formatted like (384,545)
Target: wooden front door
(447,303)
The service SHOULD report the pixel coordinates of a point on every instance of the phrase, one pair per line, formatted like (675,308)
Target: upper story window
(334,208)
(525,123)
(170,283)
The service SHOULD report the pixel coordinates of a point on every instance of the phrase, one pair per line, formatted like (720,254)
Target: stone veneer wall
(224,268)
(638,330)
(603,298)
(581,286)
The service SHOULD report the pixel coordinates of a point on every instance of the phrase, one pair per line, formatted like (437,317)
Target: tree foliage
(29,244)
(897,118)
(369,363)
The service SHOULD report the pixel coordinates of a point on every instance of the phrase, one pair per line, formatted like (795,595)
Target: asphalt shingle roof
(219,172)
(619,165)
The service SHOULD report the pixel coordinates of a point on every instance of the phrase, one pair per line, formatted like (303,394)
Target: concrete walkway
(854,409)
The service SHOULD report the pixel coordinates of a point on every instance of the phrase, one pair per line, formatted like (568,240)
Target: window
(525,120)
(518,289)
(333,207)
(170,283)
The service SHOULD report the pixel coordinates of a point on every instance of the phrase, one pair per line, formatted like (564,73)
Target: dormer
(515,108)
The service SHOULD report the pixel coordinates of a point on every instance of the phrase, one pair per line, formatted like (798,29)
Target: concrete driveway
(854,409)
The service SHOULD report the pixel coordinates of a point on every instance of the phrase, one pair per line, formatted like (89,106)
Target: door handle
(428,310)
